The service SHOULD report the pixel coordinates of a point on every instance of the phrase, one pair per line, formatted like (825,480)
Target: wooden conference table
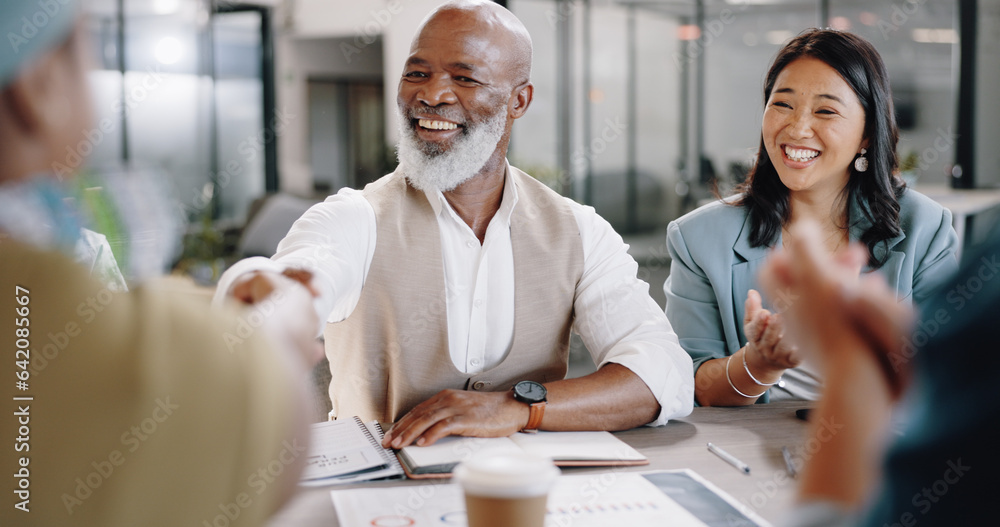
(754,435)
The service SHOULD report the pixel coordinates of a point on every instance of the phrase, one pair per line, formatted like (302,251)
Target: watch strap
(535,413)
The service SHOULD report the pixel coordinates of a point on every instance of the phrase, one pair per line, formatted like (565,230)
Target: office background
(642,108)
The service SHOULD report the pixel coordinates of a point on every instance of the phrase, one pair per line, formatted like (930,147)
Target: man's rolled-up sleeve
(619,322)
(335,241)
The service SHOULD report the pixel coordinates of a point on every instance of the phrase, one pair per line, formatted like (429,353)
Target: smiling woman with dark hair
(827,153)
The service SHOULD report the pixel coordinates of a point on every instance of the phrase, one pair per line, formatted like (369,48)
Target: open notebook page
(453,449)
(340,448)
(577,446)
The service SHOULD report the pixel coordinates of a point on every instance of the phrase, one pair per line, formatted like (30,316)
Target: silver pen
(789,464)
(728,458)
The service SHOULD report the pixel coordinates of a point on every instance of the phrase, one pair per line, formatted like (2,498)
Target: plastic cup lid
(507,475)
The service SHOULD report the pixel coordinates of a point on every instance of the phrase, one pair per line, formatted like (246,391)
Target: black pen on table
(729,458)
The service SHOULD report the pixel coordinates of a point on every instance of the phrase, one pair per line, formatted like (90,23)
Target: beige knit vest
(391,353)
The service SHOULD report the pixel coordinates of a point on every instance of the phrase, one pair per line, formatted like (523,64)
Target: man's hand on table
(457,412)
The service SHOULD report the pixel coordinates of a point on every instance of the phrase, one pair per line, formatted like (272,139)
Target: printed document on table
(563,448)
(591,500)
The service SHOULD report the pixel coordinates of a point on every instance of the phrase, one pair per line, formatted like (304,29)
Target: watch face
(530,391)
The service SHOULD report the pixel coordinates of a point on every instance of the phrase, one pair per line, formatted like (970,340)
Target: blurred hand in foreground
(284,302)
(834,309)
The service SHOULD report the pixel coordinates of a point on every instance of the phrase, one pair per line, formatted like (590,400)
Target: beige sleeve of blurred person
(146,408)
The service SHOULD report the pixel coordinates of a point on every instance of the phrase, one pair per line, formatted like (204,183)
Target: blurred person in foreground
(875,354)
(459,276)
(827,153)
(121,409)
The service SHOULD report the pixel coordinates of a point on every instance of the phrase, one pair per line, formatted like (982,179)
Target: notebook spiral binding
(386,454)
(368,434)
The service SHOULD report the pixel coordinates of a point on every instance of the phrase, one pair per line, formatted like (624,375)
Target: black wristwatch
(534,395)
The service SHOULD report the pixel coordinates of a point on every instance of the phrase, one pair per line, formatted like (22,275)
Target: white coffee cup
(504,490)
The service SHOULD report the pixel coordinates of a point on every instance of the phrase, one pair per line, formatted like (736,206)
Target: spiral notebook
(565,449)
(348,451)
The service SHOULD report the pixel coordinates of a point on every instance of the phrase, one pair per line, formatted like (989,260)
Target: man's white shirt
(615,316)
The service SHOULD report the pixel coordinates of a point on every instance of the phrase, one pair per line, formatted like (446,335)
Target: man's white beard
(446,170)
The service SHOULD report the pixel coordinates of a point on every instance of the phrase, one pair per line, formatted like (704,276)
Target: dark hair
(879,188)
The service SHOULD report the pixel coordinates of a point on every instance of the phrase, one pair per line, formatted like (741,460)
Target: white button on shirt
(615,316)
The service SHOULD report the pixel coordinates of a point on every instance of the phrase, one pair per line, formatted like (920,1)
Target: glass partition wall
(644,108)
(180,88)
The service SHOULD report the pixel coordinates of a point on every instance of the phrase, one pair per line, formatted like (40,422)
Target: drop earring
(861,163)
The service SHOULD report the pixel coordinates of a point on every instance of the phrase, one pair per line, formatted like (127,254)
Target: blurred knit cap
(29,28)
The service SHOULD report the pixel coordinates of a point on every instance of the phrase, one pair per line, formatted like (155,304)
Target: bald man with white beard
(457,277)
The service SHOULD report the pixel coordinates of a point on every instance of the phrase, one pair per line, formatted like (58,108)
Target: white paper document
(577,446)
(591,500)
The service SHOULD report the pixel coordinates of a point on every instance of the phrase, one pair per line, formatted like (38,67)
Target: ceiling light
(166,7)
(168,50)
(934,36)
(868,18)
(688,32)
(840,23)
(778,36)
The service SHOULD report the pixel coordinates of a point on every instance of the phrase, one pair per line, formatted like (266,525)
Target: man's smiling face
(455,97)
(453,80)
